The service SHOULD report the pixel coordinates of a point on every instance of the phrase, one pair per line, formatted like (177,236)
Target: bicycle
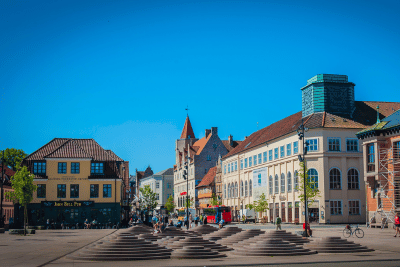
(348,231)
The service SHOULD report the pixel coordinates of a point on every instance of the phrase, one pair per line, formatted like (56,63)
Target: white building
(161,183)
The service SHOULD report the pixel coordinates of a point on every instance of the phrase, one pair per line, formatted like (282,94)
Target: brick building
(381,150)
(8,205)
(203,155)
(206,188)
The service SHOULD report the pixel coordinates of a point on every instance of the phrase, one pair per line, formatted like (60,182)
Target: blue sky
(122,72)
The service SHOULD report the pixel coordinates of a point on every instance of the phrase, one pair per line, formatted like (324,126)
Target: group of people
(306,226)
(89,225)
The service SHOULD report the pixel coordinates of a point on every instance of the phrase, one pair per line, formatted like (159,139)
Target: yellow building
(77,180)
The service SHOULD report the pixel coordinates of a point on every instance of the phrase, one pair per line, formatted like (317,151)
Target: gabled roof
(362,117)
(169,171)
(187,131)
(228,146)
(9,172)
(208,178)
(389,123)
(201,143)
(73,148)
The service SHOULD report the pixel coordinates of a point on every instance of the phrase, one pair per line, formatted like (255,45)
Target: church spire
(187,131)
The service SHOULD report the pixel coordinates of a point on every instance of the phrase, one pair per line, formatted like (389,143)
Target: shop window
(74,214)
(61,191)
(75,167)
(41,191)
(106,191)
(62,167)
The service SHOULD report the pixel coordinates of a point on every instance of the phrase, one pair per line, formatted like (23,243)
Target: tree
(189,203)
(170,205)
(261,204)
(13,157)
(149,198)
(215,201)
(312,191)
(22,183)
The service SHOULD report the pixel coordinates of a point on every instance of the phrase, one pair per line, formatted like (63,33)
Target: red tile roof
(187,130)
(363,116)
(228,146)
(9,172)
(73,148)
(208,178)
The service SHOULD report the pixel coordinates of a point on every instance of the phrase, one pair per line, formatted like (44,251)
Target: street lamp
(273,207)
(300,132)
(186,176)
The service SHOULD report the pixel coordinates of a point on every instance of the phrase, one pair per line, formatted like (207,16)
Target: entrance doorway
(313,215)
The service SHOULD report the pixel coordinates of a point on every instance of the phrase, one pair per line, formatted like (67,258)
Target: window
(168,186)
(333,144)
(94,191)
(61,191)
(276,184)
(205,170)
(39,167)
(276,153)
(235,165)
(157,196)
(296,181)
(282,151)
(255,160)
(296,147)
(62,167)
(282,183)
(245,189)
(250,161)
(229,190)
(259,159)
(270,155)
(396,150)
(41,191)
(157,184)
(224,190)
(334,179)
(352,145)
(271,185)
(245,162)
(312,145)
(208,157)
(354,207)
(371,158)
(265,156)
(97,168)
(336,207)
(288,149)
(225,169)
(313,178)
(229,168)
(74,167)
(236,190)
(352,179)
(289,182)
(106,190)
(241,189)
(250,189)
(74,191)
(241,164)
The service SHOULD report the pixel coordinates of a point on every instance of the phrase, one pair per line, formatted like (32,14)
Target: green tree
(261,204)
(148,197)
(312,191)
(22,183)
(13,157)
(215,201)
(189,203)
(170,205)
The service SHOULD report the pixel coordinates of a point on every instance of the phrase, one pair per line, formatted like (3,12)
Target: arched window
(289,182)
(232,190)
(271,185)
(245,189)
(335,179)
(296,181)
(229,190)
(313,178)
(241,189)
(353,180)
(250,189)
(224,190)
(276,184)
(236,189)
(282,183)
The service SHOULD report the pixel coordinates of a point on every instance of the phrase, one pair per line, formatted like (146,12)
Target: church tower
(187,139)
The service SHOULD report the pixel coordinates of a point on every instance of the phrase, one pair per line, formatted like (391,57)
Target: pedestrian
(221,223)
(397,224)
(278,223)
(201,218)
(47,224)
(205,220)
(306,228)
(196,220)
(190,221)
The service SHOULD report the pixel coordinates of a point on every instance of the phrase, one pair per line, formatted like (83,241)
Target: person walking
(190,220)
(397,224)
(278,223)
(201,218)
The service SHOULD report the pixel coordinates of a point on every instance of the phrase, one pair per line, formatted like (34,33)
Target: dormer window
(97,168)
(39,167)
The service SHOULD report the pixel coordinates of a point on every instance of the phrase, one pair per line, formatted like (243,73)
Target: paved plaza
(50,248)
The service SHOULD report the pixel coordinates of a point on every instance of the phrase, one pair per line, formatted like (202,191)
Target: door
(290,209)
(313,215)
(283,212)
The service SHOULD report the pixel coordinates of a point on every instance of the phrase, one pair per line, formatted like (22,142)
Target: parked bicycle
(349,231)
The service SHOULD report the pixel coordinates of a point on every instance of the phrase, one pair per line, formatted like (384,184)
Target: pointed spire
(187,131)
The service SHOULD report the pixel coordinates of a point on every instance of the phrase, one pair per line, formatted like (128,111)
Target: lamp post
(273,207)
(186,175)
(300,132)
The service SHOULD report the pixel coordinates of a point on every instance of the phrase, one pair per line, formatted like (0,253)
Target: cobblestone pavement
(48,248)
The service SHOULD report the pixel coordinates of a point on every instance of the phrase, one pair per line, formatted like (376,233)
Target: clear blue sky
(122,72)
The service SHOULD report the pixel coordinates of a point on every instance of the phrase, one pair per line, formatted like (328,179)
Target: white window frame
(358,144)
(255,160)
(283,183)
(282,151)
(312,139)
(276,153)
(289,149)
(241,164)
(245,163)
(250,161)
(235,165)
(265,156)
(340,144)
(289,181)
(270,156)
(259,158)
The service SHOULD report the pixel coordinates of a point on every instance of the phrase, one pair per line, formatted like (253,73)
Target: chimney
(230,139)
(207,132)
(214,130)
